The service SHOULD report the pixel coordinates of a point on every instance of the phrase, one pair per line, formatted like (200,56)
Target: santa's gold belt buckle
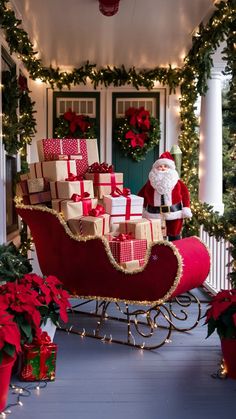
(164,209)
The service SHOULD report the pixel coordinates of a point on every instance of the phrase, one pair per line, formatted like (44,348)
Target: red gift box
(127,250)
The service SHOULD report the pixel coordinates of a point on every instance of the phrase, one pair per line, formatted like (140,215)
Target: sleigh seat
(154,300)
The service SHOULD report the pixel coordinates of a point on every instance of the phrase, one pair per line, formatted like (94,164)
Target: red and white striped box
(123,208)
(71,209)
(150,230)
(84,151)
(52,170)
(127,250)
(65,189)
(132,265)
(90,226)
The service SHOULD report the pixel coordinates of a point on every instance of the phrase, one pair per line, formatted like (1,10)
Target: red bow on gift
(77,198)
(96,212)
(100,168)
(123,237)
(73,178)
(117,192)
(136,140)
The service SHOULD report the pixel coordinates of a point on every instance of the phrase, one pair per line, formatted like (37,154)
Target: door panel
(135,173)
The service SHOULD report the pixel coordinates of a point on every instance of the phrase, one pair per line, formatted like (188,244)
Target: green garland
(192,79)
(137,133)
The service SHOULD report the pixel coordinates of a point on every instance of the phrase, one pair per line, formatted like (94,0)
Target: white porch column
(210,158)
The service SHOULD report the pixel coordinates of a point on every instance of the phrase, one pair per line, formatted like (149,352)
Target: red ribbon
(78,198)
(136,140)
(86,202)
(73,178)
(96,212)
(76,121)
(123,237)
(126,192)
(100,168)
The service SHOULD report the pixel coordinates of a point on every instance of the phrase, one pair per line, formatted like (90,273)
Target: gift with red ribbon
(95,224)
(125,249)
(73,184)
(83,151)
(52,170)
(77,206)
(105,181)
(122,205)
(150,230)
(38,360)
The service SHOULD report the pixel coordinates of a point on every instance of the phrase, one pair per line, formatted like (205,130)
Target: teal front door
(135,173)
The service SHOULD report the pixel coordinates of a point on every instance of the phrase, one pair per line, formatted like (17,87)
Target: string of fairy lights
(192,79)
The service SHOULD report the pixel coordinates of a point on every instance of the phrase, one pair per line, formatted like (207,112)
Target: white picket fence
(220,259)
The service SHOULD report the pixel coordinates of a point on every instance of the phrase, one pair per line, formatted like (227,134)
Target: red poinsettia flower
(221,314)
(143,119)
(9,332)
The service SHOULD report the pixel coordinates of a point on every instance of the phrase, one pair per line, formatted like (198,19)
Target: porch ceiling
(143,33)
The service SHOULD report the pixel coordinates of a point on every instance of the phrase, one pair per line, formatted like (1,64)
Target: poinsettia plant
(9,335)
(72,125)
(221,314)
(23,305)
(137,133)
(54,300)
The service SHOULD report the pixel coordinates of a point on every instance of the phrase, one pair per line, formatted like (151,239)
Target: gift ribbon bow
(123,237)
(72,178)
(117,192)
(78,198)
(96,212)
(100,168)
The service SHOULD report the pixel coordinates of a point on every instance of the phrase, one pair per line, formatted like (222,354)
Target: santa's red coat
(180,193)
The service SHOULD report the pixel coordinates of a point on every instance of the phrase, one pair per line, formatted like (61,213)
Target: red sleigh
(152,301)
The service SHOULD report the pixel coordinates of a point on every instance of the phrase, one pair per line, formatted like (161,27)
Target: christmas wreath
(71,125)
(137,133)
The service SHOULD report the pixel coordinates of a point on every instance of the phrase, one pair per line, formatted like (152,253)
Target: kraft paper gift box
(127,250)
(39,197)
(65,189)
(123,208)
(105,183)
(84,151)
(72,209)
(52,170)
(90,226)
(133,264)
(25,187)
(143,229)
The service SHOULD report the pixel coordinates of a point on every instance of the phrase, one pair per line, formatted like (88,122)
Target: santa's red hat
(165,158)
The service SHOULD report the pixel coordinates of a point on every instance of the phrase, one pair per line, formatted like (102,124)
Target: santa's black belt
(164,208)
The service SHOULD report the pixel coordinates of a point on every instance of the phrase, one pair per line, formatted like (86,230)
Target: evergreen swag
(13,265)
(71,125)
(137,133)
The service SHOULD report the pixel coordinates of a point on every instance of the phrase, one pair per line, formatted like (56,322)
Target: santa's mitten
(187,213)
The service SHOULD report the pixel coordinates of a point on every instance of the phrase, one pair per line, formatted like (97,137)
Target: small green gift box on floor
(39,360)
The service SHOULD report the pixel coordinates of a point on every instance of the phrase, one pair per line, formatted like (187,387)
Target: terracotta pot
(228,347)
(5,377)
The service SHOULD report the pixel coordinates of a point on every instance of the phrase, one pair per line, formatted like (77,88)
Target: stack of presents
(91,197)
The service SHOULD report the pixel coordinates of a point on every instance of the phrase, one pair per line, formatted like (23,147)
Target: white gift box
(123,208)
(65,189)
(52,170)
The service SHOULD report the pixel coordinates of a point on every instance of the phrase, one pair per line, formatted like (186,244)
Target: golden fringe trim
(59,216)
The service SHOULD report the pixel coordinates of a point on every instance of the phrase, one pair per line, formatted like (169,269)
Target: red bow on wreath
(76,121)
(136,139)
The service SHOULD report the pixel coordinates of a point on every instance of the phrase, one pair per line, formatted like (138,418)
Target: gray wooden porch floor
(96,380)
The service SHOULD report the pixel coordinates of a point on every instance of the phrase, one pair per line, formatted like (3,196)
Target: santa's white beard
(163,181)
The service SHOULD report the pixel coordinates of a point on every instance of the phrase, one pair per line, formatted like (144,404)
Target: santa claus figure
(166,196)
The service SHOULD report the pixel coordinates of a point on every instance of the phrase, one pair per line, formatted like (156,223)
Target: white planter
(50,328)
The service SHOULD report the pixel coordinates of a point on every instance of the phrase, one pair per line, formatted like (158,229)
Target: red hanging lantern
(109,7)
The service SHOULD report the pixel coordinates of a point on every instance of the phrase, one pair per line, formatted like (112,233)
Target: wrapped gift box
(123,208)
(25,187)
(105,183)
(65,189)
(39,197)
(52,170)
(143,229)
(85,151)
(133,264)
(72,209)
(90,226)
(127,250)
(38,362)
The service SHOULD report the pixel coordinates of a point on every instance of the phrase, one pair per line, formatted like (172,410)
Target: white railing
(220,258)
